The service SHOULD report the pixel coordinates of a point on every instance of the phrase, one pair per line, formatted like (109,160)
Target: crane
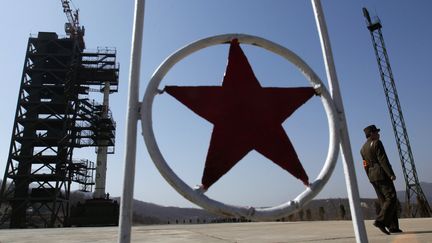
(73,28)
(413,188)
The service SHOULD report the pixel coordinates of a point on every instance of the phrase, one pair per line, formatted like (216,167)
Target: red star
(245,116)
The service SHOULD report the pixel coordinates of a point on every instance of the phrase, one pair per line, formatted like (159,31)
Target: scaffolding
(84,174)
(54,116)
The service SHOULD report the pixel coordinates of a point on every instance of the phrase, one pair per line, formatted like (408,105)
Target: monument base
(95,212)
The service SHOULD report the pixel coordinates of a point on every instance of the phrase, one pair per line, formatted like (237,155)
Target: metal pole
(348,164)
(126,204)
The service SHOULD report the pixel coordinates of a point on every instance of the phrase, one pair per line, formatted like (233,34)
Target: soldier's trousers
(386,193)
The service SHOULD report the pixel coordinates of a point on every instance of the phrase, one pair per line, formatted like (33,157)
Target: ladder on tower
(413,188)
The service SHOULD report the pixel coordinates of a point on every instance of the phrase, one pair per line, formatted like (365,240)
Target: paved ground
(415,230)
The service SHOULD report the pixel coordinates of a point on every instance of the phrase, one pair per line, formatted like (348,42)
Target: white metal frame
(348,161)
(126,204)
(198,197)
(132,119)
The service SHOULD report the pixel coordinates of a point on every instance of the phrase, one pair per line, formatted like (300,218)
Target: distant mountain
(335,208)
(427,190)
(318,209)
(321,209)
(144,212)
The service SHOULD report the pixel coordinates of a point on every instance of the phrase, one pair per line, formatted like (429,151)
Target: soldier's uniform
(379,172)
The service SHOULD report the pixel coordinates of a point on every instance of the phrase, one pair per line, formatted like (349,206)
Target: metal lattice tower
(413,189)
(54,116)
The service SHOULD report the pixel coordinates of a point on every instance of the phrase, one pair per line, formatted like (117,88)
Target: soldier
(381,176)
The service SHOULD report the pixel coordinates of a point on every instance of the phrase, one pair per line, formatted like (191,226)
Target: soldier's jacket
(378,166)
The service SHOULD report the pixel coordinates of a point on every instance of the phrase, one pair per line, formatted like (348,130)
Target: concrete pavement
(415,230)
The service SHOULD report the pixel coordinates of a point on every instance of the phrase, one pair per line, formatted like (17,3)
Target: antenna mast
(413,189)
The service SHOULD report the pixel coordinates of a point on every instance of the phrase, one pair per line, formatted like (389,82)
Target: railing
(83,173)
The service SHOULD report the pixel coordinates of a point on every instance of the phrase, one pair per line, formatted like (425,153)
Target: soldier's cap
(370,129)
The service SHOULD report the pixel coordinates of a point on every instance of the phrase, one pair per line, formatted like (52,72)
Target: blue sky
(184,137)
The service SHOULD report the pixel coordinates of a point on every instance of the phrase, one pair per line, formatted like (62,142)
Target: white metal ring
(201,199)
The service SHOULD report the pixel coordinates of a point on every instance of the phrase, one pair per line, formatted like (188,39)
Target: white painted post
(349,169)
(102,150)
(126,205)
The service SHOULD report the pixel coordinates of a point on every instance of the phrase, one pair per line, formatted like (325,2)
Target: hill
(427,190)
(319,209)
(145,213)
